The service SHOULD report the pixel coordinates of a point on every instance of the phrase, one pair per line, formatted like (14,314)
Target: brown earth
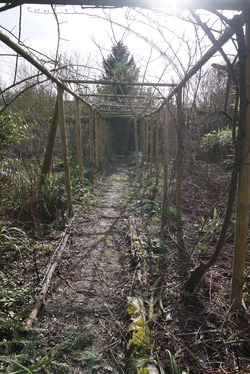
(83,322)
(87,291)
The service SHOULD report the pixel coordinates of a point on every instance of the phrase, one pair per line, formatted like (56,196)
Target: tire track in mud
(87,289)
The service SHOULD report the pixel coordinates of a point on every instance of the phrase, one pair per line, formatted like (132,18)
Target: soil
(117,249)
(87,291)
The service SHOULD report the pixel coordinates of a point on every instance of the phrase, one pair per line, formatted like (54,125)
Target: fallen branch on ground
(41,296)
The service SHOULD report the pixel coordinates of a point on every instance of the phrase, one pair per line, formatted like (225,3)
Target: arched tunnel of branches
(182,149)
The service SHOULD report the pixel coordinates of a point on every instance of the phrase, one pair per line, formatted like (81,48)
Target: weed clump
(76,341)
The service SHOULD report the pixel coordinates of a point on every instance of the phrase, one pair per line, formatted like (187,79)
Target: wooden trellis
(79,141)
(148,4)
(243,195)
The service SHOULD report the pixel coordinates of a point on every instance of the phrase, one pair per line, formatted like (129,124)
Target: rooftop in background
(184,4)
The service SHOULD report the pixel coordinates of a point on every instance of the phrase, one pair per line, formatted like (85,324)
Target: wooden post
(91,137)
(48,157)
(179,151)
(141,137)
(144,139)
(101,138)
(79,140)
(106,137)
(243,196)
(137,152)
(147,140)
(151,143)
(96,141)
(157,147)
(65,149)
(166,152)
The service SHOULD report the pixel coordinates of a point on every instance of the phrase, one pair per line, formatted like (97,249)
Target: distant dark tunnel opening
(121,136)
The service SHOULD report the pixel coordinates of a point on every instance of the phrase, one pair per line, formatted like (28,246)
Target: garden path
(86,293)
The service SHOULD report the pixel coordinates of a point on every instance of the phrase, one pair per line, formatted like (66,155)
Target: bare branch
(58,35)
(19,38)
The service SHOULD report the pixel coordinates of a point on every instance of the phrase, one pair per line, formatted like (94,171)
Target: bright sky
(39,31)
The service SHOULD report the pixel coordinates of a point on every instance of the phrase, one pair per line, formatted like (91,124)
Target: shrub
(218,145)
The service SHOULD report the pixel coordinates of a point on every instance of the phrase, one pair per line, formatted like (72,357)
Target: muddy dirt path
(87,291)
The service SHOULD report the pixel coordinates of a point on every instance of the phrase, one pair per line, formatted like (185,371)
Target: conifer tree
(119,66)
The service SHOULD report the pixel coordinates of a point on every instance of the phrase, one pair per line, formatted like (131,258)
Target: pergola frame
(119,83)
(122,96)
(243,194)
(147,110)
(146,4)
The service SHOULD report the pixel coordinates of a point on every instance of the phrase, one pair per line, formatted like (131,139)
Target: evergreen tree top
(119,64)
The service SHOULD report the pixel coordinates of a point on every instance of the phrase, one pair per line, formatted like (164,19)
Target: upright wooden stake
(137,152)
(147,140)
(179,151)
(48,157)
(91,137)
(243,196)
(151,143)
(157,147)
(106,137)
(79,141)
(144,139)
(141,136)
(101,138)
(65,149)
(166,152)
(96,140)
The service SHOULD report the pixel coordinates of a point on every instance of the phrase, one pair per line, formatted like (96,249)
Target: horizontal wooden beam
(117,114)
(115,83)
(125,115)
(148,4)
(224,38)
(124,96)
(121,107)
(33,61)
